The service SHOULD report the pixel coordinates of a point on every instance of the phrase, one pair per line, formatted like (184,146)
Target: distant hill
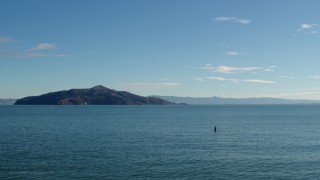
(218,100)
(97,95)
(7,101)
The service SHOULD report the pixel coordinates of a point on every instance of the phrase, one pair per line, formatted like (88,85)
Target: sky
(197,48)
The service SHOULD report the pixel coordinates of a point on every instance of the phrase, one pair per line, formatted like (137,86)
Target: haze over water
(134,142)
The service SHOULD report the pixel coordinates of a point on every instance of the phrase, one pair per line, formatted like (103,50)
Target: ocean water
(160,142)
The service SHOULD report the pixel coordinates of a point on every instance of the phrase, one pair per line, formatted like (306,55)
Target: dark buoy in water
(215,129)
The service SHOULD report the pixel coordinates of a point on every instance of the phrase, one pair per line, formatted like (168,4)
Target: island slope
(98,95)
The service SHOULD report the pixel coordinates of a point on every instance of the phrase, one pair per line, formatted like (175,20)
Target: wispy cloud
(314,77)
(215,78)
(43,46)
(230,69)
(243,21)
(259,81)
(310,28)
(33,52)
(233,19)
(150,85)
(270,69)
(220,79)
(5,39)
(287,77)
(233,53)
(223,18)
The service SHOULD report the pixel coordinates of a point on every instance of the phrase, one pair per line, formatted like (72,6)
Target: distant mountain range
(97,95)
(219,100)
(7,101)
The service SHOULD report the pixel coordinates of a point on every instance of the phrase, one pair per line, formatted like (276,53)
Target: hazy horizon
(236,49)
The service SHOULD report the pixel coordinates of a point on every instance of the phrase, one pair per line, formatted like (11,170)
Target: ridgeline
(98,95)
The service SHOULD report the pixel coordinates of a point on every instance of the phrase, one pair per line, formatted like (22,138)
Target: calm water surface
(160,142)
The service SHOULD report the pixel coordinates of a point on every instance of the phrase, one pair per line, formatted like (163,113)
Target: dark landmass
(218,100)
(98,95)
(7,101)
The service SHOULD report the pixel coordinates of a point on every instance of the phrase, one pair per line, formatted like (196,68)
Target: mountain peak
(99,87)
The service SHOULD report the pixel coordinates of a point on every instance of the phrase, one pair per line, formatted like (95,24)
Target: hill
(98,95)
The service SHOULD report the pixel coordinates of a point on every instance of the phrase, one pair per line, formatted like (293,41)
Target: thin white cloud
(308,26)
(230,69)
(214,78)
(6,39)
(243,21)
(287,77)
(33,52)
(226,18)
(233,53)
(43,46)
(268,70)
(259,81)
(233,19)
(150,85)
(314,77)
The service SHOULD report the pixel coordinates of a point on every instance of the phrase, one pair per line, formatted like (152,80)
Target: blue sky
(161,47)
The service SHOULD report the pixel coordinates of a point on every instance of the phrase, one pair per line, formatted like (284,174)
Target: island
(98,95)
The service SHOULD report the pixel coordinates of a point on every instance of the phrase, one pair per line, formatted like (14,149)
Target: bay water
(160,142)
